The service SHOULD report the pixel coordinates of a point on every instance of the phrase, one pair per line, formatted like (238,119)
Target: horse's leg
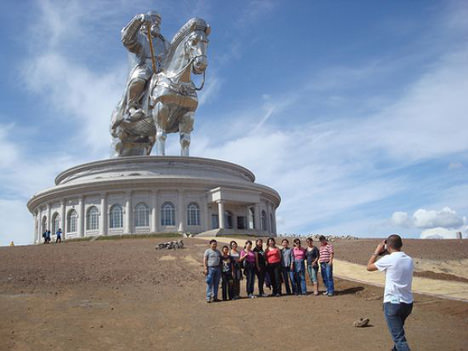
(149,146)
(185,128)
(160,117)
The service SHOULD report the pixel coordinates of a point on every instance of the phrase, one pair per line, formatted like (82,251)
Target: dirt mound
(124,294)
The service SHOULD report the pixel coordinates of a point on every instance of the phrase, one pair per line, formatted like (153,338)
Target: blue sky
(355,111)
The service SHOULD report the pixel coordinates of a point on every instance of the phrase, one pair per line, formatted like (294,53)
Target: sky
(354,111)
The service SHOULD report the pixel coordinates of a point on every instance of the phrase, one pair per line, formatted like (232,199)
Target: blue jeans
(327,275)
(212,282)
(299,275)
(312,273)
(395,315)
(250,275)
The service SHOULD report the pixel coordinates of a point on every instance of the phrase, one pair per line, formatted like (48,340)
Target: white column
(181,211)
(81,218)
(208,217)
(128,214)
(36,236)
(221,214)
(103,215)
(268,222)
(49,223)
(257,217)
(154,217)
(274,221)
(62,219)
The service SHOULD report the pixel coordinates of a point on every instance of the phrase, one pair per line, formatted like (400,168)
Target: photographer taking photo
(398,299)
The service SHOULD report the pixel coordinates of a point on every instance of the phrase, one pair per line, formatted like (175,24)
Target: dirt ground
(125,295)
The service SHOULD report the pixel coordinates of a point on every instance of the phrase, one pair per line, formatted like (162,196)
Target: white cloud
(446,218)
(443,224)
(78,93)
(441,233)
(401,219)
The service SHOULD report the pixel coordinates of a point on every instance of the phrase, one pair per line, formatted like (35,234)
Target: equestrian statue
(160,96)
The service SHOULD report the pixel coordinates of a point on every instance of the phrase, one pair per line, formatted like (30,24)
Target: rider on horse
(136,39)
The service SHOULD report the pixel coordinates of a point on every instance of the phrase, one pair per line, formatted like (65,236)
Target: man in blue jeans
(398,299)
(212,270)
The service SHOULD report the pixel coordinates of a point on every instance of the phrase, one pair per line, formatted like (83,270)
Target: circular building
(155,194)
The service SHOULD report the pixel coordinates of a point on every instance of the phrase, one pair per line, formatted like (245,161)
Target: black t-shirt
(312,255)
(226,264)
(261,256)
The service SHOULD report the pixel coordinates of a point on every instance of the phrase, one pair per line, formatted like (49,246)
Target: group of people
(277,266)
(272,266)
(46,236)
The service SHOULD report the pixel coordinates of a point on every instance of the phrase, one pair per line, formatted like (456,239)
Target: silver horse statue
(170,99)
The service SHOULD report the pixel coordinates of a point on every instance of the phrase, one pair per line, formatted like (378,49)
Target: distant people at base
(326,265)
(46,236)
(58,233)
(312,255)
(212,271)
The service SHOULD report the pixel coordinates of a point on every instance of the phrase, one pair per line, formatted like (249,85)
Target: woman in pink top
(273,262)
(297,266)
(248,259)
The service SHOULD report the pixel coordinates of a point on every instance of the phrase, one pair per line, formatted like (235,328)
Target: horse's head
(195,46)
(188,47)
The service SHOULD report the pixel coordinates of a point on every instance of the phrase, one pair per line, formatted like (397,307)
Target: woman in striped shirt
(326,265)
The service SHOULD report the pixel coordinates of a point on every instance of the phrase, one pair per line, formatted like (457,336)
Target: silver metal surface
(161,102)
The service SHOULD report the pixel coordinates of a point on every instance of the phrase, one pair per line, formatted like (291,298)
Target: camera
(384,252)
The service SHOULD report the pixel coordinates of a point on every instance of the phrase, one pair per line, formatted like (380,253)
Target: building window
(115,217)
(193,214)
(92,218)
(167,214)
(228,220)
(55,222)
(241,222)
(264,220)
(214,221)
(251,218)
(272,227)
(71,221)
(141,215)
